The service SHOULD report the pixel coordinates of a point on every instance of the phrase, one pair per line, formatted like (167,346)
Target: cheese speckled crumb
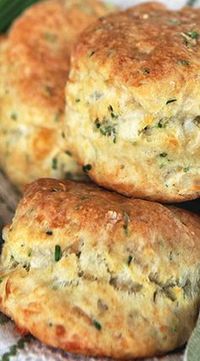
(84,269)
(137,121)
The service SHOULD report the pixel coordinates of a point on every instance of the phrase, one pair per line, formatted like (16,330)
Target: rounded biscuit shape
(34,66)
(133,102)
(93,272)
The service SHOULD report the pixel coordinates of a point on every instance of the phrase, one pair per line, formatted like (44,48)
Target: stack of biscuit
(83,268)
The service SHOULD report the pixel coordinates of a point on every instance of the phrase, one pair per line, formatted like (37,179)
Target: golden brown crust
(136,122)
(40,58)
(147,36)
(126,272)
(34,69)
(109,182)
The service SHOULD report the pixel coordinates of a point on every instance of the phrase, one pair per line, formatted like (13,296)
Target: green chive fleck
(54,163)
(163,155)
(58,253)
(126,222)
(190,38)
(183,62)
(146,71)
(197,121)
(97,325)
(57,117)
(50,37)
(193,34)
(107,128)
(129,260)
(48,89)
(13,116)
(186,169)
(97,123)
(171,101)
(174,329)
(91,53)
(112,113)
(162,123)
(174,21)
(87,168)
(30,253)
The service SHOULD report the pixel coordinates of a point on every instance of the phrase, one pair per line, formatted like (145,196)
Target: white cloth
(173,4)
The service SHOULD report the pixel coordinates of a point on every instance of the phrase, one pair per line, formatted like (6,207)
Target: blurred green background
(10,9)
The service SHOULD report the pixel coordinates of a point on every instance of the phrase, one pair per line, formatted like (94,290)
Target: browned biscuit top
(84,269)
(134,42)
(34,65)
(57,203)
(133,102)
(39,49)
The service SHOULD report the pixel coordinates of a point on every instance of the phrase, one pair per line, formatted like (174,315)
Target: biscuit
(34,69)
(96,273)
(133,100)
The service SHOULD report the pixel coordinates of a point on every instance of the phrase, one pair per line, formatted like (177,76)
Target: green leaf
(191,2)
(192,352)
(10,9)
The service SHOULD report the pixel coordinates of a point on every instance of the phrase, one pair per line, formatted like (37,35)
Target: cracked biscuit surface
(92,272)
(133,100)
(34,66)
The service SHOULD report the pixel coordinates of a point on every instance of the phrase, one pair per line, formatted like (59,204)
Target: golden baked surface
(134,103)
(93,272)
(34,68)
